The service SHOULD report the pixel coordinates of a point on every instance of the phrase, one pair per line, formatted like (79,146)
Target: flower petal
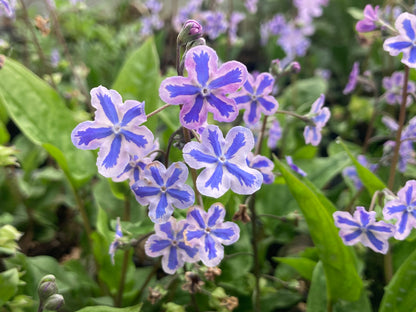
(89,135)
(106,102)
(178,90)
(224,109)
(194,114)
(244,180)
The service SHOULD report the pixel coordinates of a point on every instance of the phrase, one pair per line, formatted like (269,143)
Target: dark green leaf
(136,308)
(338,260)
(304,266)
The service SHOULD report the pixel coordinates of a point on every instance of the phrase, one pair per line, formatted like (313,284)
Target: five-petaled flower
(403,209)
(205,89)
(224,161)
(115,130)
(255,99)
(162,188)
(362,227)
(208,232)
(406,40)
(319,116)
(262,164)
(368,23)
(169,243)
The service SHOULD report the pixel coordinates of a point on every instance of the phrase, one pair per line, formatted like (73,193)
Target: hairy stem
(303,118)
(157,110)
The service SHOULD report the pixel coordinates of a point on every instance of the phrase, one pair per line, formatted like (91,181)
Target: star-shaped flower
(394,89)
(224,161)
(362,227)
(262,164)
(115,130)
(319,116)
(205,89)
(255,98)
(208,232)
(135,167)
(405,42)
(168,242)
(162,188)
(403,209)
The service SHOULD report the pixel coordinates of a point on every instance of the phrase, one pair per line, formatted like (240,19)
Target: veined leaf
(400,293)
(338,260)
(41,114)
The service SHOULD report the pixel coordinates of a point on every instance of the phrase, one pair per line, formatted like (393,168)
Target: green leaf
(41,114)
(9,281)
(136,308)
(400,293)
(139,79)
(369,179)
(304,266)
(338,260)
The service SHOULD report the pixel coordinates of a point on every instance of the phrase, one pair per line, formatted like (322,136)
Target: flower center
(116,129)
(207,230)
(174,243)
(410,209)
(222,158)
(163,188)
(205,91)
(254,97)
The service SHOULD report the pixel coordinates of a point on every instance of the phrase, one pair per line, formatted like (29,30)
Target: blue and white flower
(362,227)
(115,130)
(208,232)
(162,189)
(224,161)
(169,243)
(262,164)
(319,115)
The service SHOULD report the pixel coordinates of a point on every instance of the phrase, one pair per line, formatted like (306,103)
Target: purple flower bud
(47,287)
(294,67)
(370,18)
(54,302)
(191,30)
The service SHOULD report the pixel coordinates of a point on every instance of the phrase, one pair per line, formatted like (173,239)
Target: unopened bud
(47,288)
(275,67)
(54,302)
(294,67)
(190,31)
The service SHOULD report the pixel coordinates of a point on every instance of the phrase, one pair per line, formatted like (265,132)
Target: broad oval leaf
(41,114)
(337,259)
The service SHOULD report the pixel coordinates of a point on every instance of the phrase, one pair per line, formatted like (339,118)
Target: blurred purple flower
(275,134)
(353,78)
(403,209)
(272,27)
(294,167)
(168,242)
(162,188)
(235,19)
(115,130)
(255,99)
(208,232)
(251,6)
(55,58)
(205,89)
(7,8)
(362,227)
(185,13)
(351,172)
(293,42)
(116,242)
(224,161)
(262,164)
(134,169)
(405,42)
(370,18)
(319,115)
(215,23)
(309,9)
(394,89)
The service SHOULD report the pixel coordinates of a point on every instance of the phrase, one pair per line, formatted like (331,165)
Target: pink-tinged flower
(309,9)
(162,188)
(362,227)
(8,8)
(115,130)
(134,169)
(294,167)
(262,164)
(353,78)
(319,115)
(394,89)
(169,243)
(205,89)
(224,161)
(403,209)
(255,98)
(251,6)
(405,42)
(275,134)
(370,19)
(208,232)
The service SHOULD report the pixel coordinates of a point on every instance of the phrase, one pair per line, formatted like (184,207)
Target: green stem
(261,136)
(301,117)
(256,269)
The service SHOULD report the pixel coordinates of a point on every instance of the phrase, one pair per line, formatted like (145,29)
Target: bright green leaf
(136,308)
(304,266)
(338,260)
(9,281)
(400,293)
(41,114)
